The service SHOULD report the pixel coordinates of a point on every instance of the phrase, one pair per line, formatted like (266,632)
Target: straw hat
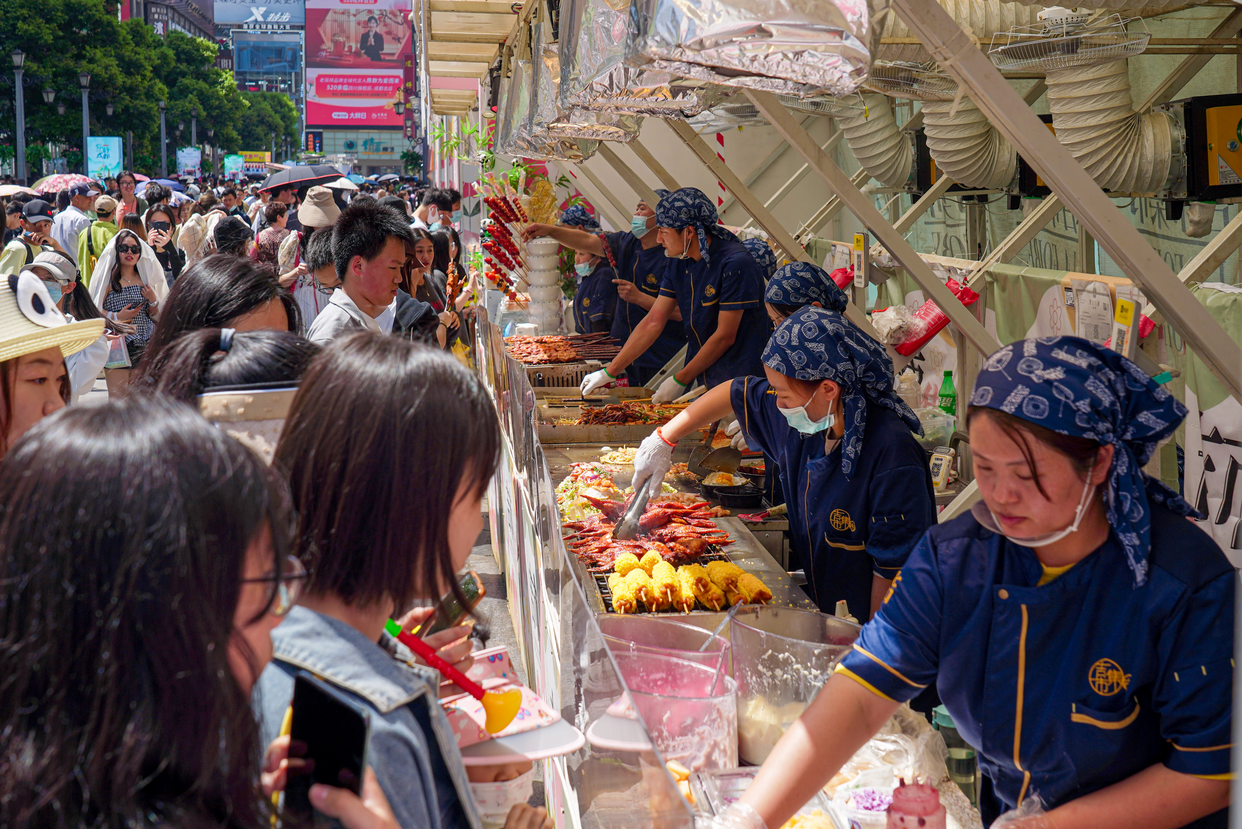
(319,210)
(30,321)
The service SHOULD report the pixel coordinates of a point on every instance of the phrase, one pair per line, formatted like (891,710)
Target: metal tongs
(627,527)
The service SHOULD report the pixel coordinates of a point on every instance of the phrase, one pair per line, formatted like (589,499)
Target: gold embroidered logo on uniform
(841,521)
(651,280)
(586,302)
(1107,678)
(709,291)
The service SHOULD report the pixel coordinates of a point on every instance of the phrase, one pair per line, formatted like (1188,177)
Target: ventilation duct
(980,18)
(1126,152)
(594,76)
(790,47)
(966,147)
(877,142)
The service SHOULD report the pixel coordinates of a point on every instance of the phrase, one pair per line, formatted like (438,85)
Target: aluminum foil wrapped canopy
(515,118)
(791,47)
(555,119)
(593,73)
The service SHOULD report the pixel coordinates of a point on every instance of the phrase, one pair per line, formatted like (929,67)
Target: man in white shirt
(369,243)
(71,221)
(436,210)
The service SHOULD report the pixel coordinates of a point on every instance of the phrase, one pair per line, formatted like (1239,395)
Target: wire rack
(845,106)
(712,553)
(1044,49)
(915,81)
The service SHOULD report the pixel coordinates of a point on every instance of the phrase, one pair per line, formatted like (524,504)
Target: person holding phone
(129,286)
(377,536)
(36,236)
(161,222)
(143,672)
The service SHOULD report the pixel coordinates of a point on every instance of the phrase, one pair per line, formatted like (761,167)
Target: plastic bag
(844,277)
(935,319)
(897,324)
(1030,814)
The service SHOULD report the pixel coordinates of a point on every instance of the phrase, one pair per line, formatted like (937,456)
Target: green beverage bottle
(948,395)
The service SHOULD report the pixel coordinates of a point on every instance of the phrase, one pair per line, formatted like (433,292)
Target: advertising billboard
(233,165)
(189,161)
(270,61)
(353,98)
(268,13)
(103,157)
(359,56)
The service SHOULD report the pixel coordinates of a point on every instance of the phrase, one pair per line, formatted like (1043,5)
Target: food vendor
(718,287)
(1078,628)
(763,254)
(638,260)
(794,286)
(855,480)
(595,302)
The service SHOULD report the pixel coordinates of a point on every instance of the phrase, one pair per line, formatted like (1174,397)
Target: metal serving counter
(554,602)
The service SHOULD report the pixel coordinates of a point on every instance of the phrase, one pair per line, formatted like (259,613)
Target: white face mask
(983,514)
(494,800)
(800,420)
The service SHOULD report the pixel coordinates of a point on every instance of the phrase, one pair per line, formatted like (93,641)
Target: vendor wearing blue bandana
(801,285)
(577,216)
(763,254)
(855,480)
(639,264)
(716,285)
(1077,627)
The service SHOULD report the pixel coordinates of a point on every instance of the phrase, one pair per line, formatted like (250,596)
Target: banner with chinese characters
(357,58)
(103,157)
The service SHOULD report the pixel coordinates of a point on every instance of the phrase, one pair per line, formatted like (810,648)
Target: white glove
(669,391)
(734,430)
(654,458)
(595,380)
(1030,814)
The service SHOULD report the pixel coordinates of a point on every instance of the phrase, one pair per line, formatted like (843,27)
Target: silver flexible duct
(966,147)
(1126,152)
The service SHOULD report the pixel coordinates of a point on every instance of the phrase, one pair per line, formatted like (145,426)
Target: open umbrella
(355,178)
(59,181)
(341,183)
(141,177)
(389,177)
(7,190)
(170,184)
(301,176)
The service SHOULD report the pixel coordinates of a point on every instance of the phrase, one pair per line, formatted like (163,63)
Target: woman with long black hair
(129,287)
(126,700)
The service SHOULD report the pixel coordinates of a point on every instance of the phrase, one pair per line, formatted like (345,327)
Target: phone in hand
(162,227)
(335,731)
(449,611)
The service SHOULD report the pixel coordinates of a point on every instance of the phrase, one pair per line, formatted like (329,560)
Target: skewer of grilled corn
(623,598)
(649,560)
(695,582)
(640,582)
(624,563)
(665,585)
(749,590)
(724,574)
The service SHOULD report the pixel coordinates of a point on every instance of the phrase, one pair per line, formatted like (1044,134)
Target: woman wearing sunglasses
(128,286)
(142,672)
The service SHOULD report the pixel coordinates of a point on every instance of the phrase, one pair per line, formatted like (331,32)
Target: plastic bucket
(651,635)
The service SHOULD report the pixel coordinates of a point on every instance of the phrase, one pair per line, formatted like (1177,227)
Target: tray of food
(625,422)
(574,348)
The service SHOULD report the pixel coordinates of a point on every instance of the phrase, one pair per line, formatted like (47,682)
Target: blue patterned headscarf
(763,254)
(816,344)
(577,216)
(801,283)
(1077,388)
(689,207)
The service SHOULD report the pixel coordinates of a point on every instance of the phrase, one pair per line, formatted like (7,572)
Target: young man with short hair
(436,203)
(71,221)
(229,199)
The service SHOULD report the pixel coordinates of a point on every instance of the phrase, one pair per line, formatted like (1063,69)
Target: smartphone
(335,731)
(163,227)
(450,612)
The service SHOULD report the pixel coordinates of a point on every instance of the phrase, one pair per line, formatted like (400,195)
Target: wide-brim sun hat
(30,321)
(319,209)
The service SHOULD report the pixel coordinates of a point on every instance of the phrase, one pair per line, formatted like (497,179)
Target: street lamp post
(19,60)
(273,147)
(211,139)
(109,109)
(163,142)
(84,80)
(194,126)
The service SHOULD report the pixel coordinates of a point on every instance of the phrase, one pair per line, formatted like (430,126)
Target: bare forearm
(709,408)
(1155,798)
(879,589)
(578,240)
(840,720)
(715,347)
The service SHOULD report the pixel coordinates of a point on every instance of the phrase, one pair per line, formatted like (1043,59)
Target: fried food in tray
(619,457)
(626,414)
(559,348)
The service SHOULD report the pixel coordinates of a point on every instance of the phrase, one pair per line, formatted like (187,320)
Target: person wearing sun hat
(319,209)
(35,339)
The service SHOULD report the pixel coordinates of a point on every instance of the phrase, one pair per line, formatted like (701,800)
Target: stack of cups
(542,259)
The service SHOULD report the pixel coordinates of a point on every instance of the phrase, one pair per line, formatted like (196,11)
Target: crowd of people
(167,704)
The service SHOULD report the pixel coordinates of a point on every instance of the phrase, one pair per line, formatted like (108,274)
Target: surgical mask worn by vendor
(800,420)
(1069,682)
